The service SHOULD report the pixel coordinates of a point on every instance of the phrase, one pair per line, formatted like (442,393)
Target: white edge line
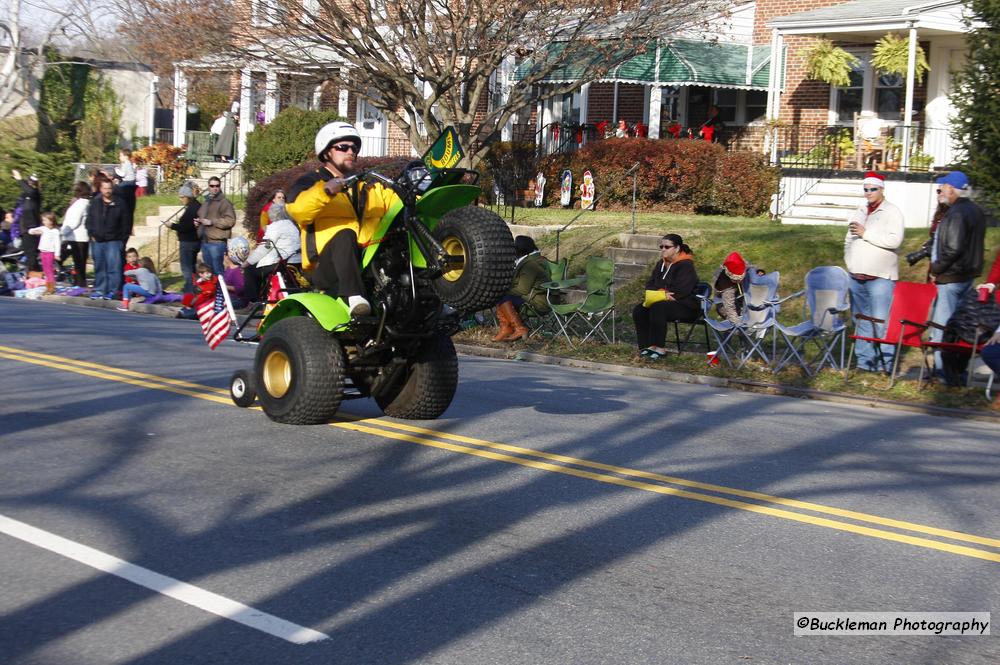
(168,586)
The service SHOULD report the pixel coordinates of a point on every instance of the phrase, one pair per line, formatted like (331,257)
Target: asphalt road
(551,516)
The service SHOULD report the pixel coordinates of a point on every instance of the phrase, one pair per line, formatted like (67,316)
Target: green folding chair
(594,309)
(539,317)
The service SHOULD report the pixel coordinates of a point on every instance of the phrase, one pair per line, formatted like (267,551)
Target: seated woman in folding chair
(530,271)
(670,296)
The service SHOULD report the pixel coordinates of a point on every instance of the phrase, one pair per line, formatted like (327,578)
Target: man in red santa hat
(874,234)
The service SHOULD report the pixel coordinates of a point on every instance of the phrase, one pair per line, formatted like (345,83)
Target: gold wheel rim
(453,246)
(277,373)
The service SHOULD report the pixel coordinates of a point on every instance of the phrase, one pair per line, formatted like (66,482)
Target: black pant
(29,245)
(651,323)
(254,279)
(339,272)
(80,251)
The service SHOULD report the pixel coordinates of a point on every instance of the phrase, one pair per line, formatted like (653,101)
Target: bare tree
(429,64)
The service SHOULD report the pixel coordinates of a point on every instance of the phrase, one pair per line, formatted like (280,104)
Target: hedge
(55,175)
(684,175)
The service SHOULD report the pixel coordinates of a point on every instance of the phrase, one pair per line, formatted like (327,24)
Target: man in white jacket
(874,234)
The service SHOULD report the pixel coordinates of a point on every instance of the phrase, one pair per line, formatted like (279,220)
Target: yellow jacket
(321,216)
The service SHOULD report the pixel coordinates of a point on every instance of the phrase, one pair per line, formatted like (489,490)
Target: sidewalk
(623,370)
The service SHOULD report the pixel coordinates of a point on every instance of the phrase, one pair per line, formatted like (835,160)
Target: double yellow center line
(874,526)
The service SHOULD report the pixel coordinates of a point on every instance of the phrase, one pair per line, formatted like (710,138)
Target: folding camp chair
(723,331)
(960,347)
(826,298)
(760,313)
(538,318)
(908,315)
(595,308)
(702,290)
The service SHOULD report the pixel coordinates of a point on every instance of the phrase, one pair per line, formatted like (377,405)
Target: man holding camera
(874,233)
(956,250)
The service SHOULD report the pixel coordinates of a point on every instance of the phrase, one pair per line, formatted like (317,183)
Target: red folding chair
(960,347)
(908,316)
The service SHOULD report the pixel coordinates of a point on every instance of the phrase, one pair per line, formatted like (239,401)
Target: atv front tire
(299,372)
(486,246)
(426,390)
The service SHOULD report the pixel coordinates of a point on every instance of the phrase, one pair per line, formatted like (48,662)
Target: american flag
(214,318)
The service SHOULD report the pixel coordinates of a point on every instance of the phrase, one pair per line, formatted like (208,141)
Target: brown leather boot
(506,328)
(520,331)
(50,287)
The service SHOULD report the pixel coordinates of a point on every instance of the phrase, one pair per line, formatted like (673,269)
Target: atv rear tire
(426,390)
(484,241)
(299,372)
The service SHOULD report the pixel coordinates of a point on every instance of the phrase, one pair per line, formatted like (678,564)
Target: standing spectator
(48,246)
(30,203)
(991,352)
(224,146)
(874,234)
(711,128)
(957,250)
(105,225)
(75,231)
(215,221)
(675,276)
(187,234)
(146,283)
(127,185)
(141,181)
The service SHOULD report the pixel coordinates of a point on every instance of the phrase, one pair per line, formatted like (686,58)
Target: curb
(136,307)
(736,384)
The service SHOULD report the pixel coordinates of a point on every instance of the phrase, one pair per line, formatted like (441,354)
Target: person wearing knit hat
(874,234)
(728,285)
(187,234)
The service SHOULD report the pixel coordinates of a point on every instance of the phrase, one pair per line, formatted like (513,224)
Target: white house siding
(132,87)
(737,27)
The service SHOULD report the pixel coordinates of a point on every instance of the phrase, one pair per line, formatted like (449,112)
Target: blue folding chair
(826,293)
(760,315)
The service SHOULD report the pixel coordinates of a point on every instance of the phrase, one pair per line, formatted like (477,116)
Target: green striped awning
(677,62)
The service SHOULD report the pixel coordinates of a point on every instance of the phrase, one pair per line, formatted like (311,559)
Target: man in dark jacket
(956,250)
(106,224)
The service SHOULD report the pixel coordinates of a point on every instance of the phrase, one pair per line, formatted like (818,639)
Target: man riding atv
(334,220)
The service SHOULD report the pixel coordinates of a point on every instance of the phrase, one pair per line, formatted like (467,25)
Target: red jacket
(994,277)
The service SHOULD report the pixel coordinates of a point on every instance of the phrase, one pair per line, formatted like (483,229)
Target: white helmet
(335,131)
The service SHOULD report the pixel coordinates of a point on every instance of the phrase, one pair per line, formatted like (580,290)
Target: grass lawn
(791,250)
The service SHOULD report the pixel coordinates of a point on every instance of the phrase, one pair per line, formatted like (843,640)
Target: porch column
(655,103)
(506,72)
(614,105)
(151,110)
(272,95)
(180,106)
(246,113)
(911,62)
(342,103)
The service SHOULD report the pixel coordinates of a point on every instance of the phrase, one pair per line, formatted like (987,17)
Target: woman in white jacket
(281,241)
(74,229)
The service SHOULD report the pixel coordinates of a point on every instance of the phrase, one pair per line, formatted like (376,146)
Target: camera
(920,254)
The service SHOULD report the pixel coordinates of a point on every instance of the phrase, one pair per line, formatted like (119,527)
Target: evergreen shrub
(54,170)
(284,142)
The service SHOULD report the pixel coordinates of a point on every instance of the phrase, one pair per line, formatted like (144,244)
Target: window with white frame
(756,105)
(849,99)
(889,96)
(726,100)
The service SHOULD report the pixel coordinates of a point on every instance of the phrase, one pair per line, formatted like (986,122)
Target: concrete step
(838,186)
(637,241)
(831,210)
(626,255)
(813,220)
(822,196)
(626,272)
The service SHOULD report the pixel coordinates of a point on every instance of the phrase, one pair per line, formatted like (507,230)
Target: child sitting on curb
(204,288)
(147,284)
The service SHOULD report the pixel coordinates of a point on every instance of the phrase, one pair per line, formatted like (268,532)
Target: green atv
(436,258)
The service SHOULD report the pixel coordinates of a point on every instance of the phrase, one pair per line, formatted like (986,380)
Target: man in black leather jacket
(957,250)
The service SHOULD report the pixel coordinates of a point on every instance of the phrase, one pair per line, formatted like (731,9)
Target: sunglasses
(871,189)
(214,186)
(344,147)
(667,246)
